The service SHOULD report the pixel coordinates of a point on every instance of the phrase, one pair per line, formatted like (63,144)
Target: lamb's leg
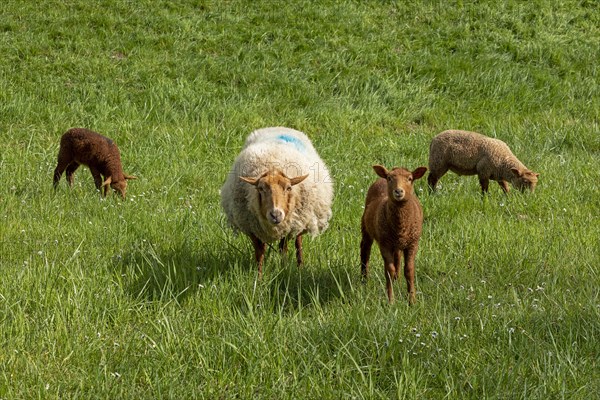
(63,163)
(390,271)
(70,171)
(97,178)
(299,250)
(259,252)
(365,252)
(397,257)
(409,272)
(504,185)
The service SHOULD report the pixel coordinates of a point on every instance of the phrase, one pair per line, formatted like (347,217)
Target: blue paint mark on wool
(297,143)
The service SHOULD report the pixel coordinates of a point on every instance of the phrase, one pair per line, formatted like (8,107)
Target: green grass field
(154,297)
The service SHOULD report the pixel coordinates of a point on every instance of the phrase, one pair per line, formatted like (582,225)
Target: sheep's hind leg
(485,183)
(397,258)
(58,171)
(434,176)
(259,252)
(365,252)
(283,244)
(70,171)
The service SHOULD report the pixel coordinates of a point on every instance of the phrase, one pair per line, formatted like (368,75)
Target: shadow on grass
(153,272)
(286,289)
(150,272)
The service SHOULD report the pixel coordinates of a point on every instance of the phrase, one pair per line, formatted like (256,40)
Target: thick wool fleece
(470,153)
(291,152)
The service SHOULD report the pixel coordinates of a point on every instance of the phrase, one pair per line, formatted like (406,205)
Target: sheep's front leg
(504,185)
(259,252)
(390,271)
(97,179)
(299,250)
(409,273)
(365,252)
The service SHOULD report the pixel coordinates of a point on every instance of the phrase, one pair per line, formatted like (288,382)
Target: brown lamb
(470,153)
(101,155)
(394,219)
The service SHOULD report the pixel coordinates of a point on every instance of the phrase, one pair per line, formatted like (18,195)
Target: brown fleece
(393,218)
(101,155)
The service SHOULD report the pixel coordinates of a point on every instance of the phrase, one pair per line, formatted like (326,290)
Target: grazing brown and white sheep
(278,189)
(101,155)
(394,219)
(470,153)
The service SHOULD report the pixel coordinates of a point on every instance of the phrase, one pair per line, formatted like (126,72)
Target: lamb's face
(399,181)
(525,179)
(120,187)
(275,194)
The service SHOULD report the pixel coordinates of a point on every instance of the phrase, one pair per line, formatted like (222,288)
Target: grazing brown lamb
(470,153)
(394,219)
(83,146)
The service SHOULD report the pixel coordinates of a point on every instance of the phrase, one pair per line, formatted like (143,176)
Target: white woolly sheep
(99,153)
(470,153)
(278,189)
(394,219)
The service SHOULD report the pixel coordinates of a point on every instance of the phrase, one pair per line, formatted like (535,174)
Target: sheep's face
(399,180)
(275,194)
(118,186)
(524,179)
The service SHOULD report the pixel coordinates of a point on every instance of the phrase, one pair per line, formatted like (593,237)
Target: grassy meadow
(154,297)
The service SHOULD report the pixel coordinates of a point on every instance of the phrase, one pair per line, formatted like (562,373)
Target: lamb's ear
(298,179)
(516,172)
(380,170)
(419,172)
(107,181)
(129,176)
(252,181)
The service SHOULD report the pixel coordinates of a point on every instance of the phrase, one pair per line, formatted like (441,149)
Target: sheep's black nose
(276,216)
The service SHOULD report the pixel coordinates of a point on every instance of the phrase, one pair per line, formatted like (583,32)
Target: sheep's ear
(419,172)
(516,172)
(107,181)
(380,170)
(252,181)
(298,179)
(129,176)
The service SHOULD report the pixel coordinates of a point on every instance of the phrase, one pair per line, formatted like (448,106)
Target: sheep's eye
(288,188)
(410,179)
(389,178)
